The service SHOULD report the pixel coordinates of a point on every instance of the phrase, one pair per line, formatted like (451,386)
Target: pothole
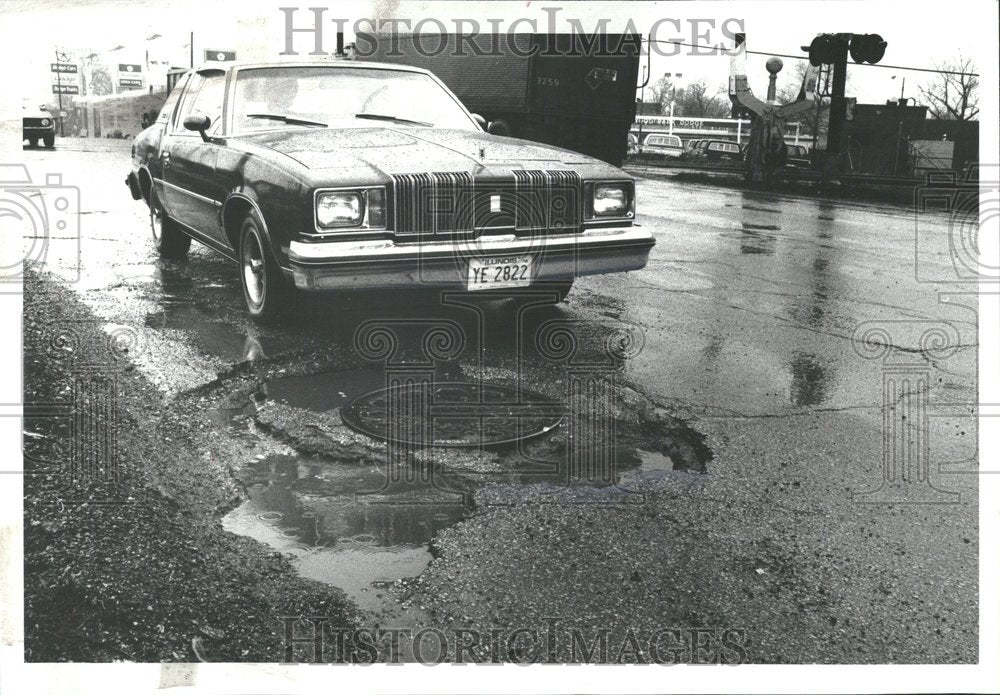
(354,514)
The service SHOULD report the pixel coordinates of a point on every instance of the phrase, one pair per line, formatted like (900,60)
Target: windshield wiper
(394,119)
(287,119)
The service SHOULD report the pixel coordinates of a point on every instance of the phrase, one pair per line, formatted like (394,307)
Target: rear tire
(168,238)
(265,290)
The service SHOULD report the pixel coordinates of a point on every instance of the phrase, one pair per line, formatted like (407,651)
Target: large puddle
(333,507)
(338,523)
(213,335)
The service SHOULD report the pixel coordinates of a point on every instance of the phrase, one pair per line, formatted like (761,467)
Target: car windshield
(341,97)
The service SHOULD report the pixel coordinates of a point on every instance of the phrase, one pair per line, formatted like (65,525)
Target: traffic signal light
(867,48)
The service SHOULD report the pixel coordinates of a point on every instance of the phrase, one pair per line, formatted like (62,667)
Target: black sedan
(345,175)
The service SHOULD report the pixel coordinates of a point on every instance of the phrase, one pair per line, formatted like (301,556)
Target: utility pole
(62,127)
(191,46)
(838,107)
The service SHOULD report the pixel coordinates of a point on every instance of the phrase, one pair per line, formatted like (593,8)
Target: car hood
(384,151)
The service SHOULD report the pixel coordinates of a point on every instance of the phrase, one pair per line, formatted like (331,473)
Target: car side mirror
(198,123)
(480,120)
(499,128)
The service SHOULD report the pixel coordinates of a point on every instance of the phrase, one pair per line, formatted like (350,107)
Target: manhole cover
(454,414)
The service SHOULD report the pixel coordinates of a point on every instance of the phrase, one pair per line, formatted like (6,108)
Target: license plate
(499,272)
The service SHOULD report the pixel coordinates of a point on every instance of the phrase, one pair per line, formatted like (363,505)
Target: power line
(804,57)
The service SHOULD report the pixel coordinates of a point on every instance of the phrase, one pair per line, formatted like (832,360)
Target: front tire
(170,241)
(50,141)
(33,142)
(265,290)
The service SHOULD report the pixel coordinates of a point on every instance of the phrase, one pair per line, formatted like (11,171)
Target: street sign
(219,56)
(65,89)
(130,83)
(63,67)
(63,78)
(129,67)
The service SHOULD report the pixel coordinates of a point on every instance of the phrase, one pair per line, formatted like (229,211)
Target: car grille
(456,203)
(34,122)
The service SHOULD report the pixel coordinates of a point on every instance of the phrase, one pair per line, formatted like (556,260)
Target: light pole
(673,94)
(902,89)
(60,58)
(642,99)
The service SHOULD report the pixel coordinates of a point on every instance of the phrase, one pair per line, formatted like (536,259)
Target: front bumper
(333,265)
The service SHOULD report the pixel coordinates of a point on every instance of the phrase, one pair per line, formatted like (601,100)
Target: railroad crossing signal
(867,48)
(828,49)
(824,49)
(832,49)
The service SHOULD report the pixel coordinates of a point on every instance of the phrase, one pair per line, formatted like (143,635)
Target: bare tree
(695,100)
(954,93)
(663,91)
(698,100)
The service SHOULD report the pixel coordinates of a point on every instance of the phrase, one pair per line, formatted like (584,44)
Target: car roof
(336,63)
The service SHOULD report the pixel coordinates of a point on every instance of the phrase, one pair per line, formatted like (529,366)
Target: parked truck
(569,90)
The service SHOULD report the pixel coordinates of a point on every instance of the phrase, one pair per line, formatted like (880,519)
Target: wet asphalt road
(744,331)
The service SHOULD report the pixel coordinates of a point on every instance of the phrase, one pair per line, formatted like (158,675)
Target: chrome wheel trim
(252,265)
(156,220)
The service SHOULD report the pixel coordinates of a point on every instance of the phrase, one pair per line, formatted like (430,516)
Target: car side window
(203,97)
(187,101)
(167,110)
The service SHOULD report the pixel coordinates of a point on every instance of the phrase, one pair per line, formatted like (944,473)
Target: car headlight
(45,122)
(339,209)
(611,200)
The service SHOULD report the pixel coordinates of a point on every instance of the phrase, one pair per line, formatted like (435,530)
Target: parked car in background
(690,149)
(657,146)
(717,151)
(38,125)
(798,156)
(348,175)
